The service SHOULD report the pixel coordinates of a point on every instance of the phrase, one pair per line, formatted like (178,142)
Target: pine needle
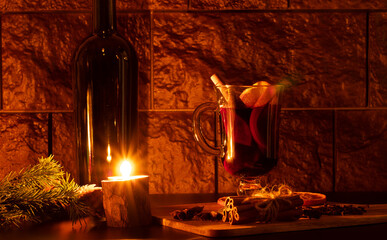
(40,192)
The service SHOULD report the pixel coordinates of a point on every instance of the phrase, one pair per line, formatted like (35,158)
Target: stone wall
(334,131)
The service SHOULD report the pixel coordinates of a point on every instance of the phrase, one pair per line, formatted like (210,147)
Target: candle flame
(109,157)
(126,168)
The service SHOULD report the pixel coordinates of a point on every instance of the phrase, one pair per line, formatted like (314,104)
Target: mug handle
(197,129)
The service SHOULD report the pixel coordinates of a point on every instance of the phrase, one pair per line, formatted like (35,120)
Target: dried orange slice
(312,199)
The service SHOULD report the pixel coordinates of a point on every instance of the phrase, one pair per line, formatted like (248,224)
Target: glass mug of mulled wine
(247,130)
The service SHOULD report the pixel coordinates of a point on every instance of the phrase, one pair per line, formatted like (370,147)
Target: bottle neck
(104,16)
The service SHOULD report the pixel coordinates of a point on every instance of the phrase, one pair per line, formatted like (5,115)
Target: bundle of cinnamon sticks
(242,209)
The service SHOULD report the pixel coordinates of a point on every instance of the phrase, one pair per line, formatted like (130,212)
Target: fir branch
(41,191)
(45,173)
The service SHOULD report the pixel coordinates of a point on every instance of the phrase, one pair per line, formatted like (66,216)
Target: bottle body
(105,74)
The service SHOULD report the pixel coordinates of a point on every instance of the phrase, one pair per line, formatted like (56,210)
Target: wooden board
(375,214)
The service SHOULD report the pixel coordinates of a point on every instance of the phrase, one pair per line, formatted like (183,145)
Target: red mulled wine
(251,139)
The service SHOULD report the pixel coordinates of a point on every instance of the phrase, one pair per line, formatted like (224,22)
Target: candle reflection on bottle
(109,160)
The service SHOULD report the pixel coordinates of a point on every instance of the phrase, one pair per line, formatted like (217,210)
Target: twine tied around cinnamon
(239,210)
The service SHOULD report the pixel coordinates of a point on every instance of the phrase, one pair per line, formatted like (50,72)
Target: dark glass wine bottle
(105,75)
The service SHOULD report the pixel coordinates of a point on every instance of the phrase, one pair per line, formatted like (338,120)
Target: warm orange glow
(273,192)
(109,157)
(89,117)
(126,169)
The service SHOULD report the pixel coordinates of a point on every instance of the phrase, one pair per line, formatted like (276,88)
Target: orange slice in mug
(258,96)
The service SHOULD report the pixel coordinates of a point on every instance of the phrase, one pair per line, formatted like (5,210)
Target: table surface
(98,230)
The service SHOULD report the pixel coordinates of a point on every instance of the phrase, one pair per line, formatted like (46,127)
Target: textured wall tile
(23,140)
(305,151)
(152,4)
(37,52)
(32,5)
(136,28)
(244,4)
(325,50)
(37,56)
(174,162)
(63,142)
(37,5)
(338,4)
(361,151)
(378,60)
